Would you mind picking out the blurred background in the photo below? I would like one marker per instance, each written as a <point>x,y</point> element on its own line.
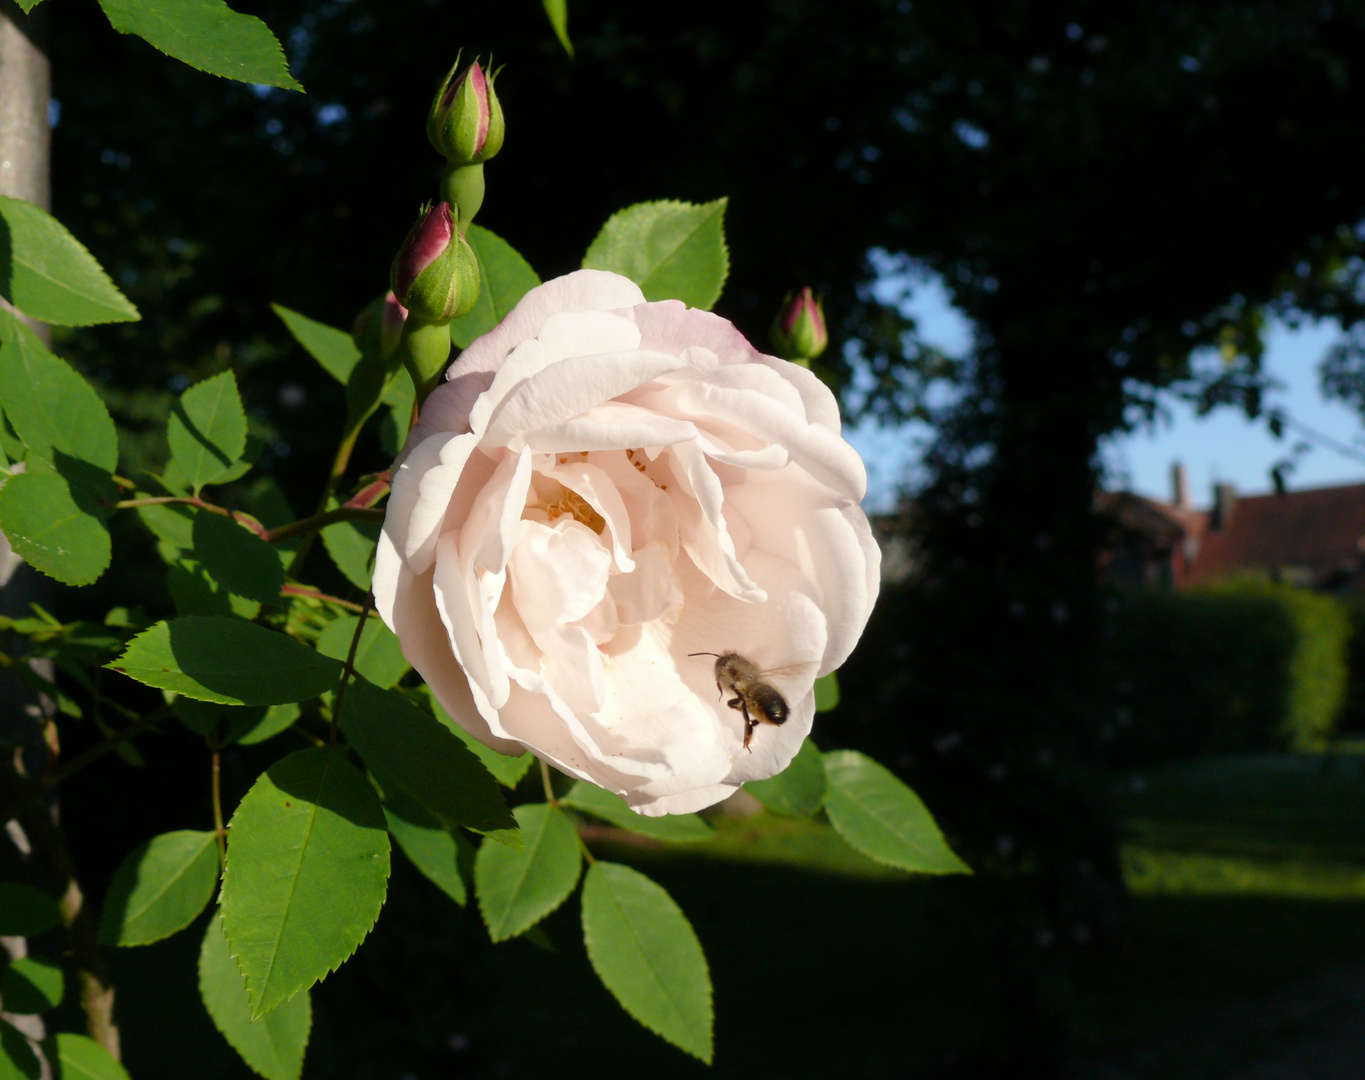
<point>1094,281</point>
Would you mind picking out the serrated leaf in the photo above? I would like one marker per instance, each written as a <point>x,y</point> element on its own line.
<point>881,817</point>
<point>53,410</point>
<point>438,853</point>
<point>645,952</point>
<point>557,11</point>
<point>307,870</point>
<point>507,769</point>
<point>28,5</point>
<point>272,1046</point>
<point>231,661</point>
<point>160,888</point>
<point>826,692</point>
<point>25,911</point>
<point>206,431</point>
<point>195,593</point>
<point>30,986</point>
<point>17,1059</point>
<point>799,789</point>
<point>679,828</point>
<point>208,36</point>
<point>504,278</point>
<point>332,348</point>
<point>237,558</point>
<point>351,546</point>
<point>49,275</point>
<point>405,745</point>
<point>379,656</point>
<point>672,250</point>
<point>518,889</point>
<point>54,529</point>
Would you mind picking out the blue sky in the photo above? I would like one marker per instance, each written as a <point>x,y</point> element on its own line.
<point>1223,446</point>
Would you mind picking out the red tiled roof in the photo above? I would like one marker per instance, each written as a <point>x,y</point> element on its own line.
<point>1320,530</point>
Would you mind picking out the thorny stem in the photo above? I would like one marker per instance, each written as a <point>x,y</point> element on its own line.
<point>349,669</point>
<point>318,522</point>
<point>549,787</point>
<point>218,831</point>
<point>81,760</point>
<point>300,590</point>
<point>304,526</point>
<point>21,801</point>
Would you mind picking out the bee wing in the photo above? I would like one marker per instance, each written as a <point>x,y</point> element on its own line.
<point>788,671</point>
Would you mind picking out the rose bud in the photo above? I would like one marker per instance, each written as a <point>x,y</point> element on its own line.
<point>465,122</point>
<point>607,508</point>
<point>379,326</point>
<point>798,333</point>
<point>435,275</point>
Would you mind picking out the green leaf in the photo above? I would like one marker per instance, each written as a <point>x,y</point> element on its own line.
<point>307,868</point>
<point>227,660</point>
<point>206,35</point>
<point>25,911</point>
<point>248,727</point>
<point>826,692</point>
<point>80,1058</point>
<point>439,853</point>
<point>195,593</point>
<point>49,275</point>
<point>237,558</point>
<point>504,278</point>
<point>172,525</point>
<point>30,985</point>
<point>54,411</point>
<point>17,1059</point>
<point>399,397</point>
<point>506,768</point>
<point>881,817</point>
<point>273,1045</point>
<point>646,953</point>
<point>799,789</point>
<point>160,888</point>
<point>379,656</point>
<point>402,743</point>
<point>332,348</point>
<point>54,529</point>
<point>519,888</point>
<point>207,432</point>
<point>591,799</point>
<point>672,250</point>
<point>558,13</point>
<point>351,546</point>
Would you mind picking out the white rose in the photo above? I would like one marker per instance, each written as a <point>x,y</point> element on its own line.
<point>602,487</point>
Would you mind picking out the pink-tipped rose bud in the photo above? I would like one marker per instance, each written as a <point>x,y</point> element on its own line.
<point>435,274</point>
<point>465,121</point>
<point>379,326</point>
<point>798,332</point>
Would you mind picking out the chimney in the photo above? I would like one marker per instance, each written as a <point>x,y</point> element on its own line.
<point>1180,487</point>
<point>1224,503</point>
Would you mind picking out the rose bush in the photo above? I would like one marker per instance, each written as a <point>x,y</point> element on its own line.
<point>601,487</point>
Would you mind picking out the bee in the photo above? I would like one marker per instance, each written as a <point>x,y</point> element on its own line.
<point>755,699</point>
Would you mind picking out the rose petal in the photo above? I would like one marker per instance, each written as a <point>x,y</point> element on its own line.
<point>563,390</point>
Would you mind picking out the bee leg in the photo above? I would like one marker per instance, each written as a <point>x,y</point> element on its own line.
<point>749,724</point>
